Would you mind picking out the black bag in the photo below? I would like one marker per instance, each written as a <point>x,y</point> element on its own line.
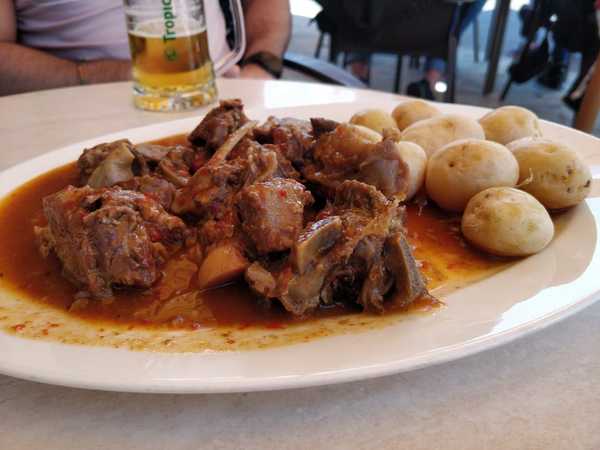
<point>531,62</point>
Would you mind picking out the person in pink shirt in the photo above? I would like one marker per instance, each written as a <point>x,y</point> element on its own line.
<point>57,43</point>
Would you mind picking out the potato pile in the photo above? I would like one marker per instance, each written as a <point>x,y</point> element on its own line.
<point>499,172</point>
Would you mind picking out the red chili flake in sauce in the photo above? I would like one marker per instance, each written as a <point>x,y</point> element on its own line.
<point>283,194</point>
<point>19,327</point>
<point>154,234</point>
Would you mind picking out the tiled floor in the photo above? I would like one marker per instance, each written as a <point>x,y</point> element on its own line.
<point>546,103</point>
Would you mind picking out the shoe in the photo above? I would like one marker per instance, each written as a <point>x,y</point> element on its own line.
<point>420,89</point>
<point>554,76</point>
<point>572,102</point>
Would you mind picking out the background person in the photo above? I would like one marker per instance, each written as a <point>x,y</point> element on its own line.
<point>58,43</point>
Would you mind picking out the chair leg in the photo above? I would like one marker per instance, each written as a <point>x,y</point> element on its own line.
<point>451,75</point>
<point>398,78</point>
<point>319,45</point>
<point>506,89</point>
<point>333,51</point>
<point>476,39</point>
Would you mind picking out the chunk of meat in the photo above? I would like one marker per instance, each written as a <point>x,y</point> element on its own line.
<point>401,263</point>
<point>152,169</point>
<point>292,137</point>
<point>115,168</point>
<point>342,148</point>
<point>346,154</point>
<point>272,213</point>
<point>151,152</point>
<point>385,169</point>
<point>108,238</point>
<point>261,280</point>
<point>315,240</point>
<point>154,187</point>
<point>376,279</point>
<point>211,191</point>
<point>92,157</point>
<point>322,126</point>
<point>344,256</point>
<point>354,195</point>
<point>176,166</point>
<point>214,129</point>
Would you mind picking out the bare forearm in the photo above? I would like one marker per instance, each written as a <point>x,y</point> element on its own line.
<point>268,25</point>
<point>23,69</point>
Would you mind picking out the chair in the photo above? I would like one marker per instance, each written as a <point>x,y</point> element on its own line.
<point>402,27</point>
<point>320,70</point>
<point>476,44</point>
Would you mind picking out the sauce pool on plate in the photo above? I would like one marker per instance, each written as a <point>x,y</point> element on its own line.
<point>175,301</point>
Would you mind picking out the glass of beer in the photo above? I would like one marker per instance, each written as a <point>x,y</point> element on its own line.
<point>171,65</point>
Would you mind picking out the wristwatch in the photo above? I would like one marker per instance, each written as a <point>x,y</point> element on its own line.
<point>268,61</point>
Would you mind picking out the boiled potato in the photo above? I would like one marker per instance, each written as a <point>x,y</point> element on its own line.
<point>552,172</point>
<point>509,123</point>
<point>375,119</point>
<point>407,113</point>
<point>507,222</point>
<point>416,160</point>
<point>464,168</point>
<point>432,134</point>
<point>222,264</point>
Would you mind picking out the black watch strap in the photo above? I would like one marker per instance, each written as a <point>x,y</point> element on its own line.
<point>268,61</point>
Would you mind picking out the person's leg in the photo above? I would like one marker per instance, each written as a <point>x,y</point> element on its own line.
<point>359,65</point>
<point>435,68</point>
<point>588,58</point>
<point>556,73</point>
<point>433,72</point>
<point>471,12</point>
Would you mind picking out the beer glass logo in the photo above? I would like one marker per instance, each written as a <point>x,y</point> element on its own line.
<point>169,35</point>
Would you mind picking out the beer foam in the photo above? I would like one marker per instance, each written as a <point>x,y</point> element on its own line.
<point>184,27</point>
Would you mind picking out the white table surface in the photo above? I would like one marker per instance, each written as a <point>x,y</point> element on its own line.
<point>540,392</point>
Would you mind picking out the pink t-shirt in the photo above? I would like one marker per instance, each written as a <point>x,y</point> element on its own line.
<point>84,30</point>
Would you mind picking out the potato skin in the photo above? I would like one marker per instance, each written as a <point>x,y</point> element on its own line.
<point>375,119</point>
<point>432,134</point>
<point>416,160</point>
<point>464,168</point>
<point>506,221</point>
<point>552,172</point>
<point>510,123</point>
<point>412,111</point>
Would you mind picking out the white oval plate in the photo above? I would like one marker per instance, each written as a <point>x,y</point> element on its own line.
<point>531,294</point>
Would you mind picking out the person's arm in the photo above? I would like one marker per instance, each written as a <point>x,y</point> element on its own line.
<point>24,69</point>
<point>268,28</point>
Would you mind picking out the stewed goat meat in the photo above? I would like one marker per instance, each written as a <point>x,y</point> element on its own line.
<point>218,124</point>
<point>108,238</point>
<point>272,213</point>
<point>309,213</point>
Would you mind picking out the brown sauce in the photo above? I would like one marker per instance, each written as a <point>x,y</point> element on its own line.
<point>175,301</point>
